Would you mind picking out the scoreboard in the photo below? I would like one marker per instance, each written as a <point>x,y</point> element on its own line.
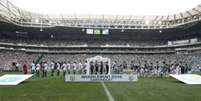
<point>97,31</point>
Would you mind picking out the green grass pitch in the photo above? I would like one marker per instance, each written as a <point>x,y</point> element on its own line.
<point>55,89</point>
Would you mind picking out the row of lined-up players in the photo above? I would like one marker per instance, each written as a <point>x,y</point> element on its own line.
<point>68,68</point>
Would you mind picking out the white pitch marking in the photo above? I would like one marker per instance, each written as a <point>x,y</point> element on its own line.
<point>109,96</point>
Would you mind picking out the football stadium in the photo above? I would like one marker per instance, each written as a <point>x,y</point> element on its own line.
<point>100,50</point>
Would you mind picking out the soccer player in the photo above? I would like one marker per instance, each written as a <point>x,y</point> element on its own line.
<point>25,68</point>
<point>186,68</point>
<point>52,65</point>
<point>182,69</point>
<point>58,68</point>
<point>114,67</point>
<point>142,70</point>
<point>145,68</point>
<point>45,69</point>
<point>91,67</point>
<point>17,67</point>
<point>84,70</point>
<point>132,66</point>
<point>178,69</point>
<point>74,67</point>
<point>80,67</point>
<point>96,67</point>
<point>151,69</point>
<point>38,70</point>
<point>107,67</point>
<point>64,68</point>
<point>68,66</point>
<point>124,64</point>
<point>33,68</point>
<point>42,68</point>
<point>189,71</point>
<point>101,67</point>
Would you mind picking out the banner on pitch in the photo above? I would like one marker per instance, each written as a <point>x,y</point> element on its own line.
<point>13,79</point>
<point>188,78</point>
<point>96,78</point>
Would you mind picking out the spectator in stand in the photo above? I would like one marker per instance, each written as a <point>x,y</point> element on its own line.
<point>154,62</point>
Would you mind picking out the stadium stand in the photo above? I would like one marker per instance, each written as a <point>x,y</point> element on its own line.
<point>173,41</point>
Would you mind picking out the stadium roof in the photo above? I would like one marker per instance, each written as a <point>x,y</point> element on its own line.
<point>107,7</point>
<point>126,14</point>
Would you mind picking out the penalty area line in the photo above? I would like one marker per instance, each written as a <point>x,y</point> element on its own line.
<point>109,96</point>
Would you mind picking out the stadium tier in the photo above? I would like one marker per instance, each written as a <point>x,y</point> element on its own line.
<point>29,34</point>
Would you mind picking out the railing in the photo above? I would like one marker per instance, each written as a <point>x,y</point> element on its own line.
<point>5,44</point>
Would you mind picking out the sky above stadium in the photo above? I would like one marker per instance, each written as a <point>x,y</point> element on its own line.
<point>107,7</point>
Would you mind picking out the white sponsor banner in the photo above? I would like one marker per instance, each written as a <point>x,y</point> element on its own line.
<point>13,79</point>
<point>188,78</point>
<point>95,78</point>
